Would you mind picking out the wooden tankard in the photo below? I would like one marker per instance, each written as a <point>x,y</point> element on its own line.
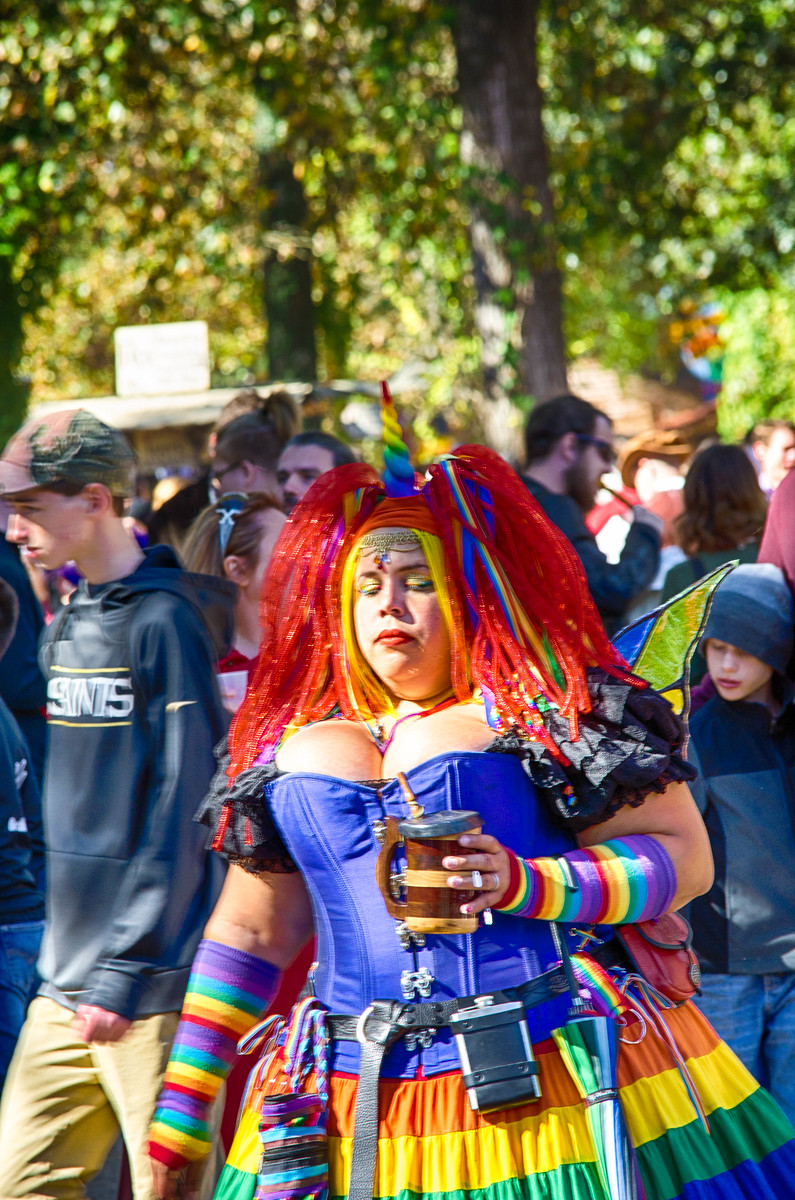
<point>430,905</point>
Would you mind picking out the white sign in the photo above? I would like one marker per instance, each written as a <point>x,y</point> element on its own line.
<point>162,360</point>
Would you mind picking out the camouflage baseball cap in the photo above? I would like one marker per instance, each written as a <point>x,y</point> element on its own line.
<point>71,446</point>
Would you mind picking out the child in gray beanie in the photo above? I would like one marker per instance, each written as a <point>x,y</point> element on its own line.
<point>743,746</point>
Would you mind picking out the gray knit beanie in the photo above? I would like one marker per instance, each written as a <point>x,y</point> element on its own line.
<point>753,610</point>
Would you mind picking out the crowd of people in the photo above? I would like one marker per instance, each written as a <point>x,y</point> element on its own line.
<point>369,643</point>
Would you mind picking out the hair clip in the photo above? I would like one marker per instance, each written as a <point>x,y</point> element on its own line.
<point>228,509</point>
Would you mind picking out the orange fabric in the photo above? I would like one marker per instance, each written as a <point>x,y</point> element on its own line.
<point>436,1105</point>
<point>405,512</point>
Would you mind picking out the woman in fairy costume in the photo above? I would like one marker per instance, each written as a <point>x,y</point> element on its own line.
<point>440,648</point>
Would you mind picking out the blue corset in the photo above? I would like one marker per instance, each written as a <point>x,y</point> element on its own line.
<point>328,827</point>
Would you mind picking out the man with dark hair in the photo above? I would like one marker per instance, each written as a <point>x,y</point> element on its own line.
<point>569,447</point>
<point>307,456</point>
<point>134,713</point>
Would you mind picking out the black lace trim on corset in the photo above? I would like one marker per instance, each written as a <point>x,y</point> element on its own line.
<point>629,746</point>
<point>239,819</point>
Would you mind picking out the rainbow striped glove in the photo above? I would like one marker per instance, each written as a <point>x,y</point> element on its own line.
<point>624,880</point>
<point>228,992</point>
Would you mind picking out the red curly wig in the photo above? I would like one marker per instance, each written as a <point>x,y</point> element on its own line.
<point>524,625</point>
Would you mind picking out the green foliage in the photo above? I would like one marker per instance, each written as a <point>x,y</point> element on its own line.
<point>126,155</point>
<point>359,98</point>
<point>760,360</point>
<point>165,224</point>
<point>671,128</point>
<point>132,139</point>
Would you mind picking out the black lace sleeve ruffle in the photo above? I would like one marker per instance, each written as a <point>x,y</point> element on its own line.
<point>630,744</point>
<point>239,821</point>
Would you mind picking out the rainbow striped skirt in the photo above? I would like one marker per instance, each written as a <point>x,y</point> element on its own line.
<point>434,1147</point>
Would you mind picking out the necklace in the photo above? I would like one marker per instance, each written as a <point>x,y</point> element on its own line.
<point>377,732</point>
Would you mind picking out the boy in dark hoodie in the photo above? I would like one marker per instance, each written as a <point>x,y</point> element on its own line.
<point>743,745</point>
<point>134,713</point>
<point>21,862</point>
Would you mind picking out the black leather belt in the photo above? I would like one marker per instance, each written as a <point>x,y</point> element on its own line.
<point>385,1022</point>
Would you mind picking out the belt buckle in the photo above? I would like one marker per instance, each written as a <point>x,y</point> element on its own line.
<point>414,1038</point>
<point>361,1024</point>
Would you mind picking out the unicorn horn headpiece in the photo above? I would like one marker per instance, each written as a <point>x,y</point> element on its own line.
<point>524,627</point>
<point>399,474</point>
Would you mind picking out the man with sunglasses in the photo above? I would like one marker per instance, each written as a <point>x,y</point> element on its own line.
<point>569,446</point>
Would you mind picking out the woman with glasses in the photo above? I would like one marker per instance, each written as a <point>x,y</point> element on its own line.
<point>234,539</point>
<point>276,419</point>
<point>247,450</point>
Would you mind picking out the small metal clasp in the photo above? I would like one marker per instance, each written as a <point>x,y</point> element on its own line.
<point>397,881</point>
<point>408,937</point>
<point>423,1039</point>
<point>416,981</point>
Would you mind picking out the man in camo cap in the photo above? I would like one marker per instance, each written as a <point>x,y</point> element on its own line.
<point>133,712</point>
<point>67,450</point>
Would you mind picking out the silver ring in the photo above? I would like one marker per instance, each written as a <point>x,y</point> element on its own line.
<point>496,881</point>
<point>361,1035</point>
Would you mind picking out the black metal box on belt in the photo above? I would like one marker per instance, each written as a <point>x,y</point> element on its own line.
<point>496,1054</point>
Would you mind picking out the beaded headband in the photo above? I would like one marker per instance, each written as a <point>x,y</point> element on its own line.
<point>384,542</point>
<point>390,539</point>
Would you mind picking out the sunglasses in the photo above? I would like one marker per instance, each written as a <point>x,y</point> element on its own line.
<point>217,479</point>
<point>603,448</point>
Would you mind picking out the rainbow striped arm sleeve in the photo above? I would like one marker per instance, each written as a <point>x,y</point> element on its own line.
<point>626,879</point>
<point>228,992</point>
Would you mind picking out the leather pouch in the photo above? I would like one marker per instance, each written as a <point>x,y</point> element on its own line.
<point>661,951</point>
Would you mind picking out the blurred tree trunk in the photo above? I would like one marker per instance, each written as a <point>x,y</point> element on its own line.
<point>289,310</point>
<point>519,299</point>
<point>13,394</point>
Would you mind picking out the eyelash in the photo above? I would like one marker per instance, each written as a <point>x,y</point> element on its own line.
<point>414,583</point>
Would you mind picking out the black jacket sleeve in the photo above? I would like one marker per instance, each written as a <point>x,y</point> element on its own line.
<point>613,586</point>
<point>22,684</point>
<point>170,874</point>
<point>21,828</point>
<point>30,798</point>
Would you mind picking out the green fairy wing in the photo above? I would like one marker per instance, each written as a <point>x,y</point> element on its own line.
<point>660,645</point>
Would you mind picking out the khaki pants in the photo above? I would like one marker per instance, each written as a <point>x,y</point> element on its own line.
<point>65,1102</point>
